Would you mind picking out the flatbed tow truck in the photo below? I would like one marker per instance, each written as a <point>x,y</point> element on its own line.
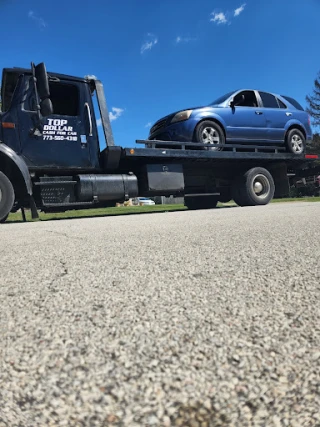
<point>50,156</point>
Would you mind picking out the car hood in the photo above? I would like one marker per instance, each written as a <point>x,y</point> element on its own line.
<point>169,116</point>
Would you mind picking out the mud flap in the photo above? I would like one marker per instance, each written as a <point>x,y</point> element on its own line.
<point>279,173</point>
<point>33,207</point>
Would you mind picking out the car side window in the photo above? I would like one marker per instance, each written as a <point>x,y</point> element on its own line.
<point>282,104</point>
<point>246,98</point>
<point>268,100</point>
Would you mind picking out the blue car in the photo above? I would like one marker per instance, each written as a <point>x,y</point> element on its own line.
<point>240,117</point>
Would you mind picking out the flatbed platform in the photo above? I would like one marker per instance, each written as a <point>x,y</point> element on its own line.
<point>154,152</point>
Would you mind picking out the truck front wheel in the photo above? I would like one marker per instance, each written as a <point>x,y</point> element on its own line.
<point>6,197</point>
<point>255,187</point>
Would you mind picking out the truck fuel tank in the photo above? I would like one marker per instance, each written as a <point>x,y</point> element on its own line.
<point>102,188</point>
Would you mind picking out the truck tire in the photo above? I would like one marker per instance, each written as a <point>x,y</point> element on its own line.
<point>236,196</point>
<point>200,202</point>
<point>225,196</point>
<point>6,197</point>
<point>254,188</point>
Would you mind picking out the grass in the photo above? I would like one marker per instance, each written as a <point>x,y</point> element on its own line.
<point>296,199</point>
<point>89,213</point>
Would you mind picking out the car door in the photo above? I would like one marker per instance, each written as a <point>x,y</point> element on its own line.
<point>65,139</point>
<point>277,115</point>
<point>246,121</point>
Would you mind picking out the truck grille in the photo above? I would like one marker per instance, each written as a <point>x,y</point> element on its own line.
<point>160,124</point>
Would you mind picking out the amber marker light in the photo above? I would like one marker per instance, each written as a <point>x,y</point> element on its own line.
<point>7,125</point>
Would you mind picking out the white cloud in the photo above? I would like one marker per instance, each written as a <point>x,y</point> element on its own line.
<point>184,39</point>
<point>40,21</point>
<point>239,9</point>
<point>219,18</point>
<point>148,125</point>
<point>149,44</point>
<point>115,113</point>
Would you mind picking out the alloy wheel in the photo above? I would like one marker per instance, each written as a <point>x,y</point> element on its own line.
<point>297,144</point>
<point>210,136</point>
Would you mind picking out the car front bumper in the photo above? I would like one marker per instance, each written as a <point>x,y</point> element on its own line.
<point>181,131</point>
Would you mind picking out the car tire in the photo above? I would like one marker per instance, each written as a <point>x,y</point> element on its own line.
<point>200,202</point>
<point>295,142</point>
<point>209,132</point>
<point>254,188</point>
<point>6,197</point>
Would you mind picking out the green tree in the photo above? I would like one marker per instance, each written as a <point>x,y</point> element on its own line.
<point>316,143</point>
<point>313,102</point>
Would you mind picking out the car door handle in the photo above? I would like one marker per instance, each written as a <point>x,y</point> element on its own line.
<point>288,114</point>
<point>259,113</point>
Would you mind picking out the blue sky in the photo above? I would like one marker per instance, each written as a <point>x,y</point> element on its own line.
<point>158,57</point>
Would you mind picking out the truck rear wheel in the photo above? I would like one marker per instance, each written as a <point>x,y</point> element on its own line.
<point>225,195</point>
<point>256,187</point>
<point>200,202</point>
<point>6,197</point>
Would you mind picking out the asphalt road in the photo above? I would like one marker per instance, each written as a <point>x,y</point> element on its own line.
<point>207,318</point>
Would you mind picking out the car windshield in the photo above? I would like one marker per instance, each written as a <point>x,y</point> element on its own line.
<point>222,98</point>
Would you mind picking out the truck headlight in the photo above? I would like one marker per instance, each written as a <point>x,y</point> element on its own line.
<point>181,116</point>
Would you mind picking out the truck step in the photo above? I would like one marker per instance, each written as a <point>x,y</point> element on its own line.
<point>52,183</point>
<point>55,205</point>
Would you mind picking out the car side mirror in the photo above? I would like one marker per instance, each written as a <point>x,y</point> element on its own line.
<point>231,103</point>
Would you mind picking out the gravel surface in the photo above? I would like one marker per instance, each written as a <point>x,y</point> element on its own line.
<point>199,319</point>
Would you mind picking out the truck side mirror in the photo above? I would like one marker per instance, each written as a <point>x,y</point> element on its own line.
<point>42,83</point>
<point>46,108</point>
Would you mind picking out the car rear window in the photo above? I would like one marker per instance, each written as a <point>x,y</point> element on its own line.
<point>269,101</point>
<point>293,102</point>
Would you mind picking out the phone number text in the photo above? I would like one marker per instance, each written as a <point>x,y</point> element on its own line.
<point>59,138</point>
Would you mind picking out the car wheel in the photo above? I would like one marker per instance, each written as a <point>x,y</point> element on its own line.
<point>256,187</point>
<point>208,132</point>
<point>6,197</point>
<point>295,142</point>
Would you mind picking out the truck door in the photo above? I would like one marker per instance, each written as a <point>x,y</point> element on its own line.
<point>67,135</point>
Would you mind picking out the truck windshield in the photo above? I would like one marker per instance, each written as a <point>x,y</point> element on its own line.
<point>222,98</point>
